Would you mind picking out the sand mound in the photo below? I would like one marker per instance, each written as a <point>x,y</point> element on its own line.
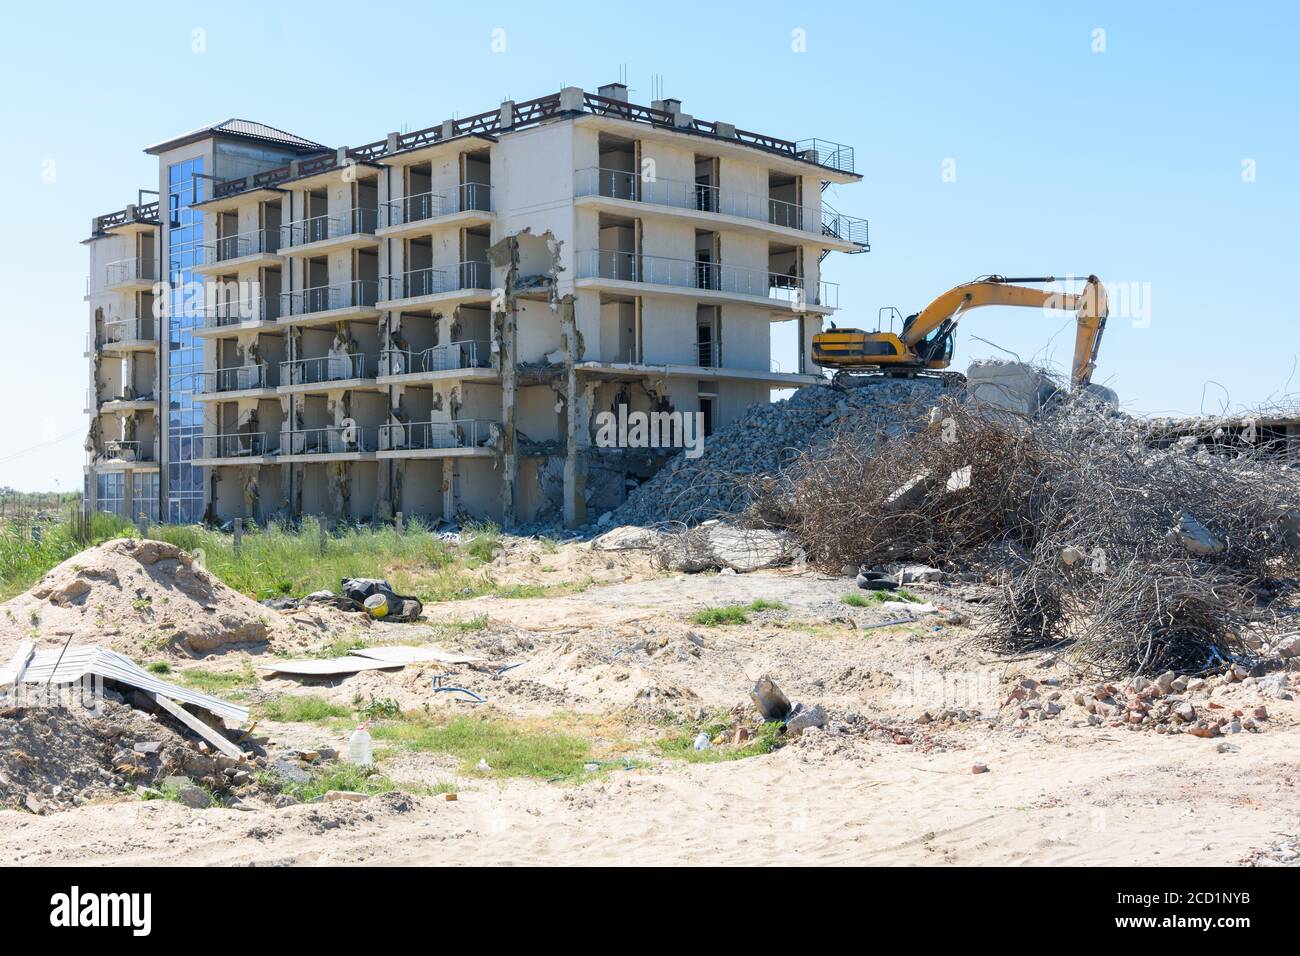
<point>135,595</point>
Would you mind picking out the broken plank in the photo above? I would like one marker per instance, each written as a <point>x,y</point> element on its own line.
<point>210,734</point>
<point>16,669</point>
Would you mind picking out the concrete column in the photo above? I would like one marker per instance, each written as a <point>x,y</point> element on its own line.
<point>576,423</point>
<point>449,488</point>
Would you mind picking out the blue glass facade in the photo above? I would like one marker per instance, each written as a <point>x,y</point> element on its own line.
<point>185,186</point>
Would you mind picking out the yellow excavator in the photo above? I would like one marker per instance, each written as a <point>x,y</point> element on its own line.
<point>924,345</point>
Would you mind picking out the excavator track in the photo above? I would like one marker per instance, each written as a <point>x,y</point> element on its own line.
<point>859,379</point>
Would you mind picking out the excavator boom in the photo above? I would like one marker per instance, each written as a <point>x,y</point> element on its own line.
<point>925,341</point>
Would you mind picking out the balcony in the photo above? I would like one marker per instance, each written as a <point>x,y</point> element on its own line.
<point>121,452</point>
<point>457,438</point>
<point>468,205</point>
<point>257,248</point>
<point>707,203</point>
<point>319,233</point>
<point>128,335</point>
<point>235,314</point>
<point>615,269</point>
<point>243,378</point>
<point>234,447</point>
<point>130,275</point>
<point>465,282</point>
<point>340,442</point>
<point>330,303</point>
<point>454,356</point>
<point>325,369</point>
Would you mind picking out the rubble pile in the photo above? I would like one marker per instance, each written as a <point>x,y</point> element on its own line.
<point>58,757</point>
<point>1140,552</point>
<point>1167,704</point>
<point>766,438</point>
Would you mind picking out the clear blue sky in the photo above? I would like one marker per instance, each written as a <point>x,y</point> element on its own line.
<point>1127,163</point>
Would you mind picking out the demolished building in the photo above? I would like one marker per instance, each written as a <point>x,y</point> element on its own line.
<point>431,323</point>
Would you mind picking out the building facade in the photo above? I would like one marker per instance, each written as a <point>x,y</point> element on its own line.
<point>434,323</point>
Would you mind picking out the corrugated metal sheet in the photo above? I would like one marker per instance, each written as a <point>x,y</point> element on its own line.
<point>328,666</point>
<point>404,654</point>
<point>78,662</point>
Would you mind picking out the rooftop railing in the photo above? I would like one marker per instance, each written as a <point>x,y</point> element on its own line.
<point>713,276</point>
<point>820,152</point>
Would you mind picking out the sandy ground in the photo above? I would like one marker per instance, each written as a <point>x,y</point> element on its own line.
<point>880,786</point>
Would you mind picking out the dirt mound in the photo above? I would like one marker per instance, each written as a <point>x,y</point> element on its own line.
<point>136,595</point>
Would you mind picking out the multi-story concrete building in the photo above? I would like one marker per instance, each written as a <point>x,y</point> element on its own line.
<point>431,323</point>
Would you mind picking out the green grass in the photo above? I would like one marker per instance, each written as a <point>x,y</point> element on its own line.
<point>214,682</point>
<point>682,746</point>
<point>158,667</point>
<point>511,750</point>
<point>733,613</point>
<point>478,622</point>
<point>23,562</point>
<point>293,708</point>
<point>480,542</point>
<point>872,598</point>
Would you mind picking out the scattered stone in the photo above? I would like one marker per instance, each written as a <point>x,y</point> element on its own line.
<point>979,768</point>
<point>803,719</point>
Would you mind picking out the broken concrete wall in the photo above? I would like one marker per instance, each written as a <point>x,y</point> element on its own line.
<point>1013,386</point>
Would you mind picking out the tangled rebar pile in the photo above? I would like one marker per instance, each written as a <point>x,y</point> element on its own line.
<point>1140,548</point>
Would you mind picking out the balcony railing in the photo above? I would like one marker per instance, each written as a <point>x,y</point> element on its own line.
<point>460,433</point>
<point>848,228</point>
<point>707,354</point>
<point>237,378</point>
<point>620,184</point>
<point>239,311</point>
<point>319,228</point>
<point>693,274</point>
<point>418,208</point>
<point>235,445</point>
<point>325,368</point>
<point>439,358</point>
<point>118,450</point>
<point>331,440</point>
<point>418,282</point>
<point>245,244</point>
<point>131,270</point>
<point>360,293</point>
<point>127,330</point>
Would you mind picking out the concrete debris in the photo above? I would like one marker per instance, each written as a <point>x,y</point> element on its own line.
<point>1011,386</point>
<point>766,437</point>
<point>627,538</point>
<point>771,702</point>
<point>801,719</point>
<point>1195,537</point>
<point>715,545</point>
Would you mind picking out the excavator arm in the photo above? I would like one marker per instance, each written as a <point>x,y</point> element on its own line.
<point>925,341</point>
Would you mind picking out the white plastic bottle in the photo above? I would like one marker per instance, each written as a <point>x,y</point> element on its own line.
<point>359,747</point>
